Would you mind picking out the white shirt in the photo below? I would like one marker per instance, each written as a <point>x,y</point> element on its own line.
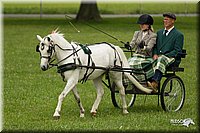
<point>168,31</point>
<point>144,33</point>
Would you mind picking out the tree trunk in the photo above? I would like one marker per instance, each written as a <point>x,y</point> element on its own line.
<point>88,11</point>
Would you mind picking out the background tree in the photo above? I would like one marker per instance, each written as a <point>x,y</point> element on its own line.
<point>88,11</point>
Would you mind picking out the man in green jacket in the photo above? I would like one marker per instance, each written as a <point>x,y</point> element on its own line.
<point>169,43</point>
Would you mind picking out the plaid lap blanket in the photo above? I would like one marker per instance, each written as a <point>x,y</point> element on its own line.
<point>146,66</point>
<point>163,62</point>
<point>143,65</point>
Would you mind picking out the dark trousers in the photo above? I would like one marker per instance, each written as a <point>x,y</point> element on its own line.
<point>157,76</point>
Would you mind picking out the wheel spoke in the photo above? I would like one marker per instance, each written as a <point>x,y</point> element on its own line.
<point>173,94</point>
<point>169,103</point>
<point>116,98</point>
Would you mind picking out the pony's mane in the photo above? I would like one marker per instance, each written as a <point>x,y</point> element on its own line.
<point>58,37</point>
<point>57,32</point>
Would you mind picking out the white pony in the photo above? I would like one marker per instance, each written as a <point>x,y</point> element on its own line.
<point>71,56</point>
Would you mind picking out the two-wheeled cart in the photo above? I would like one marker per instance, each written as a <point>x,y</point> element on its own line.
<point>171,93</point>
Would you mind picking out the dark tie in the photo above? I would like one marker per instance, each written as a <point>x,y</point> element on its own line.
<point>165,33</point>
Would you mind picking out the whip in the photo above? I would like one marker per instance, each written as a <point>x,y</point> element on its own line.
<point>74,27</point>
<point>68,17</point>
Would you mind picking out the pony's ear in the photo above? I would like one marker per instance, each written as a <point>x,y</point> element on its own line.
<point>39,38</point>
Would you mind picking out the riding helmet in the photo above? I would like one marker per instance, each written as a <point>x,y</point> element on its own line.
<point>145,19</point>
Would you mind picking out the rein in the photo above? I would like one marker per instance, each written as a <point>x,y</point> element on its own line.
<point>56,64</point>
<point>72,66</point>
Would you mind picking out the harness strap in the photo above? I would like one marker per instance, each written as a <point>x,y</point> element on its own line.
<point>67,57</point>
<point>93,68</point>
<point>86,75</point>
<point>88,52</point>
<point>116,53</point>
<point>66,67</point>
<point>79,61</point>
<point>86,49</point>
<point>72,66</point>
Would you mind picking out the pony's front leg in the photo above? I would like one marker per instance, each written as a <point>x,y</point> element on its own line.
<point>100,93</point>
<point>77,97</point>
<point>69,86</point>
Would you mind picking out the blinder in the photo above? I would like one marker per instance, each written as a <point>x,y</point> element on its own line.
<point>49,51</point>
<point>37,48</point>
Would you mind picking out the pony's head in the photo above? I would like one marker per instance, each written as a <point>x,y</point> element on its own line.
<point>46,50</point>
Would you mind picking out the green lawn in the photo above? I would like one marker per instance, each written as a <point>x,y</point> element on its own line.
<point>30,95</point>
<point>105,8</point>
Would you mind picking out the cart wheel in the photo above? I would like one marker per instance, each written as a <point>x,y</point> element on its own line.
<point>116,99</point>
<point>172,94</point>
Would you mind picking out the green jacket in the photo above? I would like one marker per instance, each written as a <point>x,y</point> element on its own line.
<point>169,45</point>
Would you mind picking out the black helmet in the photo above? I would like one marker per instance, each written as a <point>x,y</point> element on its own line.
<point>145,19</point>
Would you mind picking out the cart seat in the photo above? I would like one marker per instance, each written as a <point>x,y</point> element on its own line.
<point>174,67</point>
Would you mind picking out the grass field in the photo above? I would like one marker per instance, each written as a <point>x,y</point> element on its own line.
<point>104,8</point>
<point>30,95</point>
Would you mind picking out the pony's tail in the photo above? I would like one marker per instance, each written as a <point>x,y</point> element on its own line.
<point>122,56</point>
<point>137,84</point>
<point>131,78</point>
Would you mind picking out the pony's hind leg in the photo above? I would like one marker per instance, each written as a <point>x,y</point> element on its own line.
<point>100,92</point>
<point>77,97</point>
<point>122,94</point>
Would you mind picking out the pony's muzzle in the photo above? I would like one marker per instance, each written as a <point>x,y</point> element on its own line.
<point>44,67</point>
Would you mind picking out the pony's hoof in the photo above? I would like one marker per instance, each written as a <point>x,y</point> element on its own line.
<point>82,115</point>
<point>93,114</point>
<point>56,117</point>
<point>125,112</point>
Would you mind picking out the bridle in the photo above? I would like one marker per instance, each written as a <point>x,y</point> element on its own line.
<point>51,50</point>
